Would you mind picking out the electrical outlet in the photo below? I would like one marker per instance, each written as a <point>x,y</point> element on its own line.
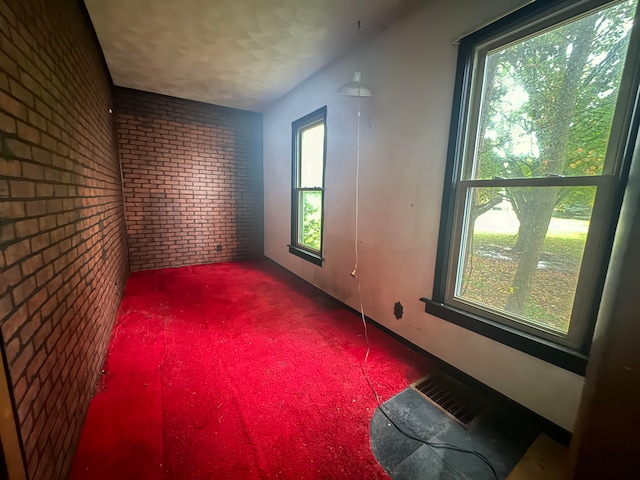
<point>398,310</point>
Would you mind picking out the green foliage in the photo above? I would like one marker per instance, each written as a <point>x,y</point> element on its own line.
<point>311,219</point>
<point>557,92</point>
<point>548,103</point>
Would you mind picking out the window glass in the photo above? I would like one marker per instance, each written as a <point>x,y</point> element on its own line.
<point>312,156</point>
<point>539,149</point>
<point>307,196</point>
<point>547,102</point>
<point>498,272</point>
<point>310,209</point>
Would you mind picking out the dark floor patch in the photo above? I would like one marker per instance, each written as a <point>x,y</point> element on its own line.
<point>327,301</point>
<point>499,434</point>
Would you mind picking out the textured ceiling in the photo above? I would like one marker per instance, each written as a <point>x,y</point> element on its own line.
<point>237,53</point>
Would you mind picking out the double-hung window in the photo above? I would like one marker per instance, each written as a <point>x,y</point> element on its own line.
<point>543,127</point>
<point>309,141</point>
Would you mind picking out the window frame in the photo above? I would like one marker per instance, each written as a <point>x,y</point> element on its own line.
<point>571,355</point>
<point>314,118</point>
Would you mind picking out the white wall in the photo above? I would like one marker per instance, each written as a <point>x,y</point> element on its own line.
<point>411,69</point>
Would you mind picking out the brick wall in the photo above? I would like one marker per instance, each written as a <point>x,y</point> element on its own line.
<point>63,258</point>
<point>192,176</point>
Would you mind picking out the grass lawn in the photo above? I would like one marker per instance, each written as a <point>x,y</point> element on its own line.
<point>490,271</point>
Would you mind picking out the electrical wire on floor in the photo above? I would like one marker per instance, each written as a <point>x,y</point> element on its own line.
<point>354,274</point>
<point>437,445</point>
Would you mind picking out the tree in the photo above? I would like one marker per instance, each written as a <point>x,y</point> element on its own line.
<point>555,92</point>
<point>311,219</point>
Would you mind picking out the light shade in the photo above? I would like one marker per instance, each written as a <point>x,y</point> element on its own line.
<point>355,88</point>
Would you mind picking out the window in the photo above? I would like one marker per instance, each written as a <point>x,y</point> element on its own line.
<point>542,133</point>
<point>307,196</point>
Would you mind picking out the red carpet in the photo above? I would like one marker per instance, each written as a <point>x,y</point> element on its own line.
<point>237,371</point>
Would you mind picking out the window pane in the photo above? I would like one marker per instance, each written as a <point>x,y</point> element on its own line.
<point>519,257</point>
<point>310,219</point>
<point>311,156</point>
<point>548,101</point>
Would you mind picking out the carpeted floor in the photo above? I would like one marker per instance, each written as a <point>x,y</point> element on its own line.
<point>237,371</point>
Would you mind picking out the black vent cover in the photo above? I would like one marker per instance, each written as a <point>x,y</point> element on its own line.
<point>456,400</point>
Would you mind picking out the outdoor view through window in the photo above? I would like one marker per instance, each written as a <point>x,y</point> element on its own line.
<point>539,148</point>
<point>310,186</point>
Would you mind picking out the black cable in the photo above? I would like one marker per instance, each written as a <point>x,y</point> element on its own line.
<point>446,446</point>
<point>354,274</point>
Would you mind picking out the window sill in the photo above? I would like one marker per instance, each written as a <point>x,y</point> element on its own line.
<point>550,352</point>
<point>307,255</point>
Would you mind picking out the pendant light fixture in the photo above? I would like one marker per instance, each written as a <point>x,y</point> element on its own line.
<point>355,88</point>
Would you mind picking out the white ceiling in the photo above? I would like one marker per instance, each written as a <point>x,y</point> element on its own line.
<point>237,53</point>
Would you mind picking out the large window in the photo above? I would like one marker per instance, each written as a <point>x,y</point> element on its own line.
<point>541,136</point>
<point>307,199</point>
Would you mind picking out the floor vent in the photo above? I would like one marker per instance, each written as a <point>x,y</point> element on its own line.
<point>456,400</point>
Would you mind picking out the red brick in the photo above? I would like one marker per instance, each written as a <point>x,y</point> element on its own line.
<point>10,168</point>
<point>31,264</point>
<point>12,209</point>
<point>27,132</point>
<point>53,92</point>
<point>26,228</point>
<point>39,242</point>
<point>20,388</point>
<point>44,190</point>
<point>12,106</point>
<point>8,64</point>
<point>29,170</point>
<point>27,331</point>
<point>10,277</point>
<point>17,251</point>
<point>50,254</point>
<point>44,275</point>
<point>40,339</point>
<point>21,93</point>
<point>47,223</point>
<point>35,364</point>
<point>35,208</point>
<point>7,124</point>
<point>23,290</point>
<point>17,148</point>
<point>24,406</point>
<point>41,156</point>
<point>36,119</point>
<point>22,189</point>
<point>164,177</point>
<point>6,305</point>
<point>4,189</point>
<point>12,348</point>
<point>20,364</point>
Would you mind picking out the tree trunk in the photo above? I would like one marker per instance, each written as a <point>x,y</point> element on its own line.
<point>534,232</point>
<point>525,232</point>
<point>553,139</point>
<point>522,207</point>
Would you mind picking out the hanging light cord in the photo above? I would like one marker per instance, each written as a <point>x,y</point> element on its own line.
<point>365,373</point>
<point>354,274</point>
